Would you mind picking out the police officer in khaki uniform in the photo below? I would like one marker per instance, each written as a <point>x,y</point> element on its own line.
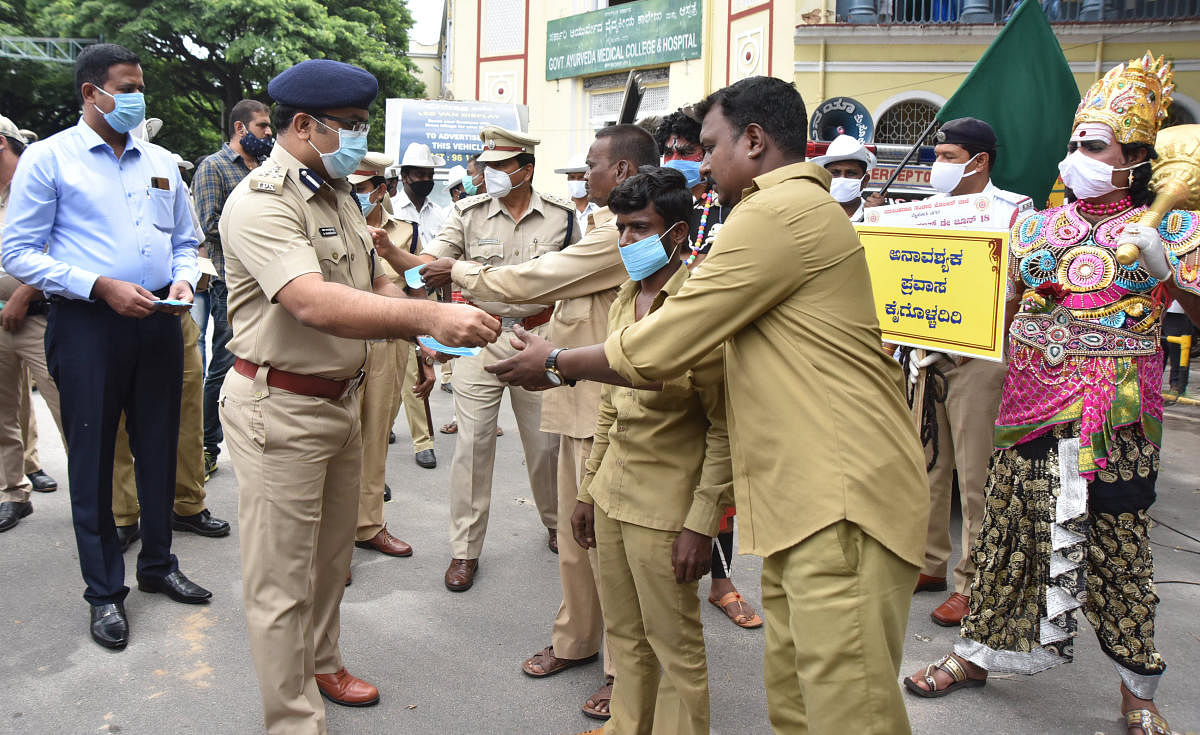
<point>511,224</point>
<point>305,295</point>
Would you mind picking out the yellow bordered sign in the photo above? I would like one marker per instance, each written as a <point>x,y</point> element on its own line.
<point>940,290</point>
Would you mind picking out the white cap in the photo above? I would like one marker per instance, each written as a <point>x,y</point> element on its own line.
<point>185,165</point>
<point>576,164</point>
<point>419,155</point>
<point>391,172</point>
<point>846,148</point>
<point>455,176</point>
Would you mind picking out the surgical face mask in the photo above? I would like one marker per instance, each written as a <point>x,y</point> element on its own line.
<point>645,257</point>
<point>421,189</point>
<point>577,189</point>
<point>352,147</point>
<point>468,185</point>
<point>256,147</point>
<point>129,110</point>
<point>845,189</point>
<point>944,176</point>
<point>365,203</point>
<point>499,184</point>
<point>1089,178</point>
<point>689,169</point>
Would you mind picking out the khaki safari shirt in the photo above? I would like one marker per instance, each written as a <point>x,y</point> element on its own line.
<point>661,458</point>
<point>583,279</point>
<point>481,229</point>
<point>280,222</point>
<point>818,423</point>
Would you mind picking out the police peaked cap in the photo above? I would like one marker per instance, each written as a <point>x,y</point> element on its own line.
<point>324,84</point>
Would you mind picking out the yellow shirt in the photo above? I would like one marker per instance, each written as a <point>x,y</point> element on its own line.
<point>818,424</point>
<point>661,458</point>
<point>583,279</point>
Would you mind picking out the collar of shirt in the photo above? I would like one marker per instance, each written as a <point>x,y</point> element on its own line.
<point>402,202</point>
<point>93,140</point>
<point>535,205</point>
<point>630,288</point>
<point>990,189</point>
<point>228,151</point>
<point>295,167</point>
<point>601,216</point>
<point>802,170</point>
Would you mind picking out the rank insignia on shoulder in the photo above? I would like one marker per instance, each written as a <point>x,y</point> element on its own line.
<point>557,201</point>
<point>328,231</point>
<point>466,203</point>
<point>310,178</point>
<point>268,178</point>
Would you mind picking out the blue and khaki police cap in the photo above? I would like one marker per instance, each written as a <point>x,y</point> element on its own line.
<point>967,131</point>
<point>324,84</point>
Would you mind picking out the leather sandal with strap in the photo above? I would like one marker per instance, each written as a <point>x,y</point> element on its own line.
<point>738,610</point>
<point>602,698</point>
<point>1150,723</point>
<point>951,666</point>
<point>551,664</point>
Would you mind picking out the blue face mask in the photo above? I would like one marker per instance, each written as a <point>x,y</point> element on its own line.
<point>128,113</point>
<point>352,148</point>
<point>689,169</point>
<point>645,257</point>
<point>365,203</point>
<point>468,185</point>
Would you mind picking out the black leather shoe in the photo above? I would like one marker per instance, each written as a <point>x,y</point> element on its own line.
<point>127,535</point>
<point>426,458</point>
<point>11,513</point>
<point>110,627</point>
<point>176,586</point>
<point>42,482</point>
<point>391,437</point>
<point>387,493</point>
<point>447,388</point>
<point>202,524</point>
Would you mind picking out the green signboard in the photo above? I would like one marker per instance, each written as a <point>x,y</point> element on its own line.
<point>624,36</point>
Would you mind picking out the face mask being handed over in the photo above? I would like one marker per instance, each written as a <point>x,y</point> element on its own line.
<point>944,176</point>
<point>128,112</point>
<point>577,189</point>
<point>352,147</point>
<point>845,189</point>
<point>499,184</point>
<point>644,257</point>
<point>1089,178</point>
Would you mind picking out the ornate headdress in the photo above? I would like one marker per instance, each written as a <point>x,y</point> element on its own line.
<point>1132,99</point>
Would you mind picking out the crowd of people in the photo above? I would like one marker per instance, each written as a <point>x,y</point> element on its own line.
<point>335,286</point>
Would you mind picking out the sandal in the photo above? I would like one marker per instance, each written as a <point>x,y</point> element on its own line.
<point>738,610</point>
<point>450,428</point>
<point>957,673</point>
<point>551,664</point>
<point>1150,723</point>
<point>597,705</point>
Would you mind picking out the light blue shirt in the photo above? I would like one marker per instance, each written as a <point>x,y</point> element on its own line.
<point>76,213</point>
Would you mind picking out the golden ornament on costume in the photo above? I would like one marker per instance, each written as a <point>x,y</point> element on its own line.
<point>1132,99</point>
<point>1175,180</point>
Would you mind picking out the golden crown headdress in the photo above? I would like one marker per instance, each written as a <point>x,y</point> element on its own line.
<point>1132,99</point>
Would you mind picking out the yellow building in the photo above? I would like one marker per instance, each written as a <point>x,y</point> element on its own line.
<point>568,60</point>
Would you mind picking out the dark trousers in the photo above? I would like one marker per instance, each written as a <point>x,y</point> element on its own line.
<point>218,364</point>
<point>1176,325</point>
<point>105,365</point>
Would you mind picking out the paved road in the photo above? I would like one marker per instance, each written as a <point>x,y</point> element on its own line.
<point>448,663</point>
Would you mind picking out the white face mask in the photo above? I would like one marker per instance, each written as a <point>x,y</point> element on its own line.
<point>499,184</point>
<point>577,189</point>
<point>1087,177</point>
<point>944,176</point>
<point>845,189</point>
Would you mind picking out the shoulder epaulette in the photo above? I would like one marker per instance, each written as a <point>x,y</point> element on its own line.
<point>557,201</point>
<point>470,202</point>
<point>268,177</point>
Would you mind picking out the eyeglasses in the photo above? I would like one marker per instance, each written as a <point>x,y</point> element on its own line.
<point>356,126</point>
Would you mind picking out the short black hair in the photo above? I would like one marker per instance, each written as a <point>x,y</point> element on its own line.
<point>525,159</point>
<point>281,118</point>
<point>243,112</point>
<point>974,150</point>
<point>630,143</point>
<point>772,103</point>
<point>93,62</point>
<point>665,188</point>
<point>679,125</point>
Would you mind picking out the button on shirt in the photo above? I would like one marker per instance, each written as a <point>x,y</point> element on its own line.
<point>429,218</point>
<point>76,213</point>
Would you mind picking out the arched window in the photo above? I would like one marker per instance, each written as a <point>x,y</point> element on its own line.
<point>904,122</point>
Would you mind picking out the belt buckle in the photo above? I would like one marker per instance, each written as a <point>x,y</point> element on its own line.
<point>352,384</point>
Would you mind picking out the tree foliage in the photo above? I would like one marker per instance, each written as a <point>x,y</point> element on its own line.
<point>201,56</point>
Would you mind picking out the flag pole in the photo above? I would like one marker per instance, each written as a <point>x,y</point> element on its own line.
<point>908,156</point>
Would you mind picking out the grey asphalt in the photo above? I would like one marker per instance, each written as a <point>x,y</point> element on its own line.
<point>450,663</point>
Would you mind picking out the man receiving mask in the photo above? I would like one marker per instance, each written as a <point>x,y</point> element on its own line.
<point>413,203</point>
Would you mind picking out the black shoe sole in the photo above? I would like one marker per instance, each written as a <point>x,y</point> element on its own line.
<point>24,514</point>
<point>151,589</point>
<point>367,545</point>
<point>177,526</point>
<point>47,489</point>
<point>110,645</point>
<point>934,587</point>
<point>427,466</point>
<point>372,703</point>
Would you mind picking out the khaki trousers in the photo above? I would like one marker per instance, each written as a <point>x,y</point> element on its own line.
<point>189,459</point>
<point>477,395</point>
<point>298,462</point>
<point>965,440</point>
<point>836,609</point>
<point>655,633</point>
<point>579,626</point>
<point>22,355</point>
<point>414,408</point>
<point>380,404</point>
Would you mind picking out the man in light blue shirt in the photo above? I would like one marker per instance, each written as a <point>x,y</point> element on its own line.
<point>99,221</point>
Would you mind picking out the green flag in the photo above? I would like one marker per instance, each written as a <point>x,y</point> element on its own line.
<point>1022,87</point>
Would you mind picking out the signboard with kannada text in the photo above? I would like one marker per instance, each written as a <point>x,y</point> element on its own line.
<point>623,37</point>
<point>939,289</point>
<point>973,211</point>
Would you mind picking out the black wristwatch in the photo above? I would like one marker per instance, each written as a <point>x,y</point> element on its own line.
<point>553,375</point>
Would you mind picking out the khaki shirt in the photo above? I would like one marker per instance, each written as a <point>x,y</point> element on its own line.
<point>583,279</point>
<point>481,229</point>
<point>661,458</point>
<point>400,232</point>
<point>280,222</point>
<point>818,423</point>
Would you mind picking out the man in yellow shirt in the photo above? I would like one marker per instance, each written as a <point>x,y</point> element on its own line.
<point>828,472</point>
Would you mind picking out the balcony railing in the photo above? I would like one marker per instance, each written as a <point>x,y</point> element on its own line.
<point>995,11</point>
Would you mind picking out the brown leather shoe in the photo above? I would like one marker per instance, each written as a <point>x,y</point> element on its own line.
<point>552,542</point>
<point>346,690</point>
<point>925,583</point>
<point>385,543</point>
<point>951,612</point>
<point>461,574</point>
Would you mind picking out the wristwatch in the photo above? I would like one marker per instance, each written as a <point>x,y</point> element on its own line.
<point>554,376</point>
